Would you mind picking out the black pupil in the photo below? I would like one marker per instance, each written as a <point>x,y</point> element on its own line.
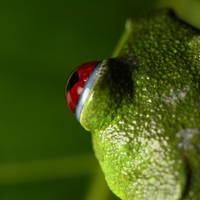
<point>73,80</point>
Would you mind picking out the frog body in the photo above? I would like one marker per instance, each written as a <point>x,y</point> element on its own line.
<point>144,111</point>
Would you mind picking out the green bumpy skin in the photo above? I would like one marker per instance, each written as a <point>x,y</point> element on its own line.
<point>144,111</point>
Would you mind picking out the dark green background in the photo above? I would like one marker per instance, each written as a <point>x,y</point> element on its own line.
<point>44,152</point>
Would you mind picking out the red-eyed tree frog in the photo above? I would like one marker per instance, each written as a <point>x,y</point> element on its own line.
<point>143,109</point>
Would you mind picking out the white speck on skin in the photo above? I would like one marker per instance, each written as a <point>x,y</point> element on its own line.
<point>124,172</point>
<point>186,135</point>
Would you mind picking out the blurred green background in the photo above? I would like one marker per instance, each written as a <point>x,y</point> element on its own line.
<point>44,152</point>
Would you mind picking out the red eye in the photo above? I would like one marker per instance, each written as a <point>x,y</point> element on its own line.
<point>76,83</point>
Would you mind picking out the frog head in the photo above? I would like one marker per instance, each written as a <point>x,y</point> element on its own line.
<point>129,140</point>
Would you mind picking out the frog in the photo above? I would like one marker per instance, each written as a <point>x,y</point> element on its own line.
<point>142,107</point>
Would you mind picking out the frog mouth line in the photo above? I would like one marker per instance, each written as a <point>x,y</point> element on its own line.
<point>188,181</point>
